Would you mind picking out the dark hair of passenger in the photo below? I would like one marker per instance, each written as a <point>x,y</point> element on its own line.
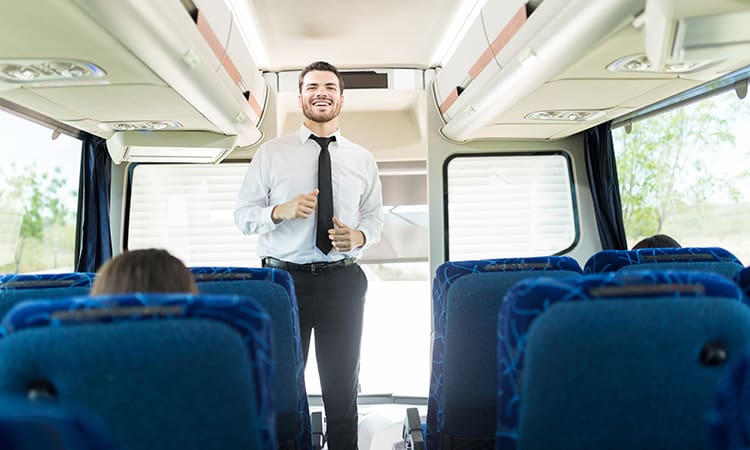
<point>322,66</point>
<point>146,270</point>
<point>657,241</point>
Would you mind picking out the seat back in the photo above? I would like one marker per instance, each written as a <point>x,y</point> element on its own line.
<point>466,298</point>
<point>743,280</point>
<point>627,373</point>
<point>169,371</point>
<point>707,259</point>
<point>273,289</point>
<point>728,415</point>
<point>15,288</point>
<point>526,301</point>
<point>26,425</point>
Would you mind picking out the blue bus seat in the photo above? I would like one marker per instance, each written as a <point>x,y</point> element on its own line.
<point>728,415</point>
<point>168,371</point>
<point>627,373</point>
<point>707,259</point>
<point>273,289</point>
<point>743,280</point>
<point>526,301</point>
<point>26,425</point>
<point>15,288</point>
<point>466,298</point>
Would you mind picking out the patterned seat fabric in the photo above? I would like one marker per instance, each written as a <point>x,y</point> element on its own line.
<point>273,289</point>
<point>707,259</point>
<point>743,280</point>
<point>728,415</point>
<point>15,288</point>
<point>139,323</point>
<point>466,298</point>
<point>529,299</point>
<point>28,425</point>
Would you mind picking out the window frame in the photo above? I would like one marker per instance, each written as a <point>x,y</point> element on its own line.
<point>573,192</point>
<point>56,129</point>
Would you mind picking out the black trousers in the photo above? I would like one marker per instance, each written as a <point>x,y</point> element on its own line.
<point>332,304</point>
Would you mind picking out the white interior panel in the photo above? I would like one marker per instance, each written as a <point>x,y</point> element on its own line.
<point>352,34</point>
<point>660,92</point>
<point>580,94</point>
<point>456,71</point>
<point>31,100</point>
<point>252,79</point>
<point>518,130</point>
<point>496,14</point>
<point>123,102</point>
<point>218,16</point>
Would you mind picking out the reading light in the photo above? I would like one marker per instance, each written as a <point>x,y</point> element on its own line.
<point>141,125</point>
<point>579,115</point>
<point>641,63</point>
<point>632,63</point>
<point>686,67</point>
<point>42,70</point>
<point>169,146</point>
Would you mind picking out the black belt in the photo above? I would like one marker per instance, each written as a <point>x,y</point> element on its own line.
<point>314,268</point>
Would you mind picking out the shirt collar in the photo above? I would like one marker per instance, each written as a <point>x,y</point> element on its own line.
<point>304,134</point>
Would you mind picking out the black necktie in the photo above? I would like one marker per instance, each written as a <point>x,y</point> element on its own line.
<point>325,194</point>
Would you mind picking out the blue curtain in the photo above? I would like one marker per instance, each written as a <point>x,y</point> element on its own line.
<point>95,246</point>
<point>605,190</point>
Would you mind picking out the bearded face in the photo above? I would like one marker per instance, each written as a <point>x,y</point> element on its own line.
<point>321,97</point>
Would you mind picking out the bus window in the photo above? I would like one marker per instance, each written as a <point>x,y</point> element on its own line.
<point>188,209</point>
<point>683,173</point>
<point>509,205</point>
<point>38,197</point>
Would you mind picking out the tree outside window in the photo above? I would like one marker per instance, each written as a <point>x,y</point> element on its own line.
<point>684,173</point>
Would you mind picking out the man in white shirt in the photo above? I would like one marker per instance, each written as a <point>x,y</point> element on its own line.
<point>280,199</point>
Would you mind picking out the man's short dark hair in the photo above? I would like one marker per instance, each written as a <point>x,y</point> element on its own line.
<point>322,66</point>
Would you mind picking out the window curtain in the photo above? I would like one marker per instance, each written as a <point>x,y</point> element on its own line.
<point>95,244</point>
<point>605,190</point>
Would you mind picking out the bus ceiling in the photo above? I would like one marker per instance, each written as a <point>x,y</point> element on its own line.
<point>497,68</point>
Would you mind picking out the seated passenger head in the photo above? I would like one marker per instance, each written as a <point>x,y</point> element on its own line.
<point>657,241</point>
<point>147,270</point>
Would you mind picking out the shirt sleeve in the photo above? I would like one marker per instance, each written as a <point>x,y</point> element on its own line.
<point>252,212</point>
<point>371,208</point>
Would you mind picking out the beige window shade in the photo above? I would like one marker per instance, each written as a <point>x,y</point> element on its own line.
<point>509,206</point>
<point>189,210</point>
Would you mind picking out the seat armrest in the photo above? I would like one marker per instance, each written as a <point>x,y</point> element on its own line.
<point>412,430</point>
<point>318,436</point>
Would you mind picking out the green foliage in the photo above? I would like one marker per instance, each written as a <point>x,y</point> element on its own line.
<point>39,197</point>
<point>667,163</point>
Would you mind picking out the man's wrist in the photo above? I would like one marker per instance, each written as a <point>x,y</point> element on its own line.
<point>274,218</point>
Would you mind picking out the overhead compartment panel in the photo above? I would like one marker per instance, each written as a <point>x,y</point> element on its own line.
<point>454,77</point>
<point>165,61</point>
<point>557,34</point>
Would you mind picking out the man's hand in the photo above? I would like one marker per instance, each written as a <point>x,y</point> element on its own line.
<point>300,206</point>
<point>345,238</point>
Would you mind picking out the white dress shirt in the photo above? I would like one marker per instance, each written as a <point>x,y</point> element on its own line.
<point>286,167</point>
